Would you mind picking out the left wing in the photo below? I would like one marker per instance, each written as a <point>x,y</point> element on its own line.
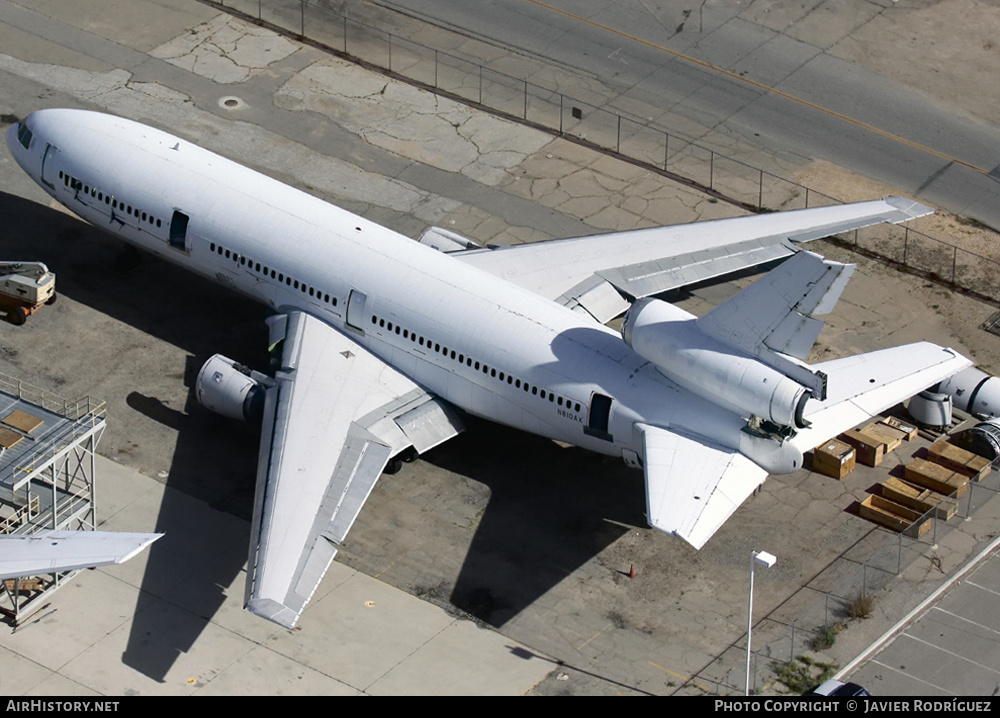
<point>591,273</point>
<point>54,551</point>
<point>693,485</point>
<point>334,418</point>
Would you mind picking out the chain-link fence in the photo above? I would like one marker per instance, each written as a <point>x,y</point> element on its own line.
<point>846,591</point>
<point>610,131</point>
<point>843,588</point>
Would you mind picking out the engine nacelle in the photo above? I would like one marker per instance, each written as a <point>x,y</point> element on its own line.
<point>974,391</point>
<point>669,337</point>
<point>227,388</point>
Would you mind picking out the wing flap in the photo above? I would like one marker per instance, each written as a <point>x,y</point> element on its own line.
<point>693,485</point>
<point>333,419</point>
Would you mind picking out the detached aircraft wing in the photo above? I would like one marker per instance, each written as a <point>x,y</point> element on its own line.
<point>334,418</point>
<point>54,551</point>
<point>592,273</point>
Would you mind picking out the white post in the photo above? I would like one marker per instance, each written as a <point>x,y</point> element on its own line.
<point>764,559</point>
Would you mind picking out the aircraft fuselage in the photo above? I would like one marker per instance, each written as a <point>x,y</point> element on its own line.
<point>493,349</point>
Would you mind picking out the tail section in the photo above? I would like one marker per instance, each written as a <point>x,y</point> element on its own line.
<point>772,318</point>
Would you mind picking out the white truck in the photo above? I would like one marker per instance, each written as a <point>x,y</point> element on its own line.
<point>25,287</point>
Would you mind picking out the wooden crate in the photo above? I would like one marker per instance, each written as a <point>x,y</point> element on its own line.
<point>936,477</point>
<point>834,458</point>
<point>870,448</point>
<point>892,515</point>
<point>958,459</point>
<point>909,430</point>
<point>919,498</point>
<point>893,437</point>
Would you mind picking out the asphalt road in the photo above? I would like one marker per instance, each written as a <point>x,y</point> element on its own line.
<point>728,70</point>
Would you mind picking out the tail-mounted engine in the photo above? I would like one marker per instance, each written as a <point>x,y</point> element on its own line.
<point>231,389</point>
<point>669,338</point>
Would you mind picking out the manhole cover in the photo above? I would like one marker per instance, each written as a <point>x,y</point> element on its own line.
<point>231,103</point>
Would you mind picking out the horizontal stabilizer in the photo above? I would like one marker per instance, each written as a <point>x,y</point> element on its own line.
<point>55,551</point>
<point>693,485</point>
<point>864,385</point>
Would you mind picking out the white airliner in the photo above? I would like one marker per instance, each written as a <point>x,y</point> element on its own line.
<point>387,341</point>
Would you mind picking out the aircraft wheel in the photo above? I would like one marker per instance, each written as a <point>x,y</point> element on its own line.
<point>393,466</point>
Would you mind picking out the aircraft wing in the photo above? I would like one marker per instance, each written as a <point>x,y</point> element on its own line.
<point>592,273</point>
<point>693,485</point>
<point>54,551</point>
<point>333,419</point>
<point>861,386</point>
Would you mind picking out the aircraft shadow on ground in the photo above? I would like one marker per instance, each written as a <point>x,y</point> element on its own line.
<point>551,510</point>
<point>214,460</point>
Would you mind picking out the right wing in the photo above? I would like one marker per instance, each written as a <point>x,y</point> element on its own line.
<point>51,551</point>
<point>334,418</point>
<point>592,273</point>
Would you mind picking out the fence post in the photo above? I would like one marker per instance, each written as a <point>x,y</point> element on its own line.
<point>760,191</point>
<point>525,100</point>
<point>906,242</point>
<point>954,261</point>
<point>302,19</point>
<point>618,146</point>
<point>666,149</point>
<point>711,169</point>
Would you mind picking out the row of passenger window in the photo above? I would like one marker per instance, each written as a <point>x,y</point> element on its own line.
<point>477,366</point>
<point>75,184</point>
<point>266,271</point>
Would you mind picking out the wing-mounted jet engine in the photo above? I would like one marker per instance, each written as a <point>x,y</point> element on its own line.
<point>231,389</point>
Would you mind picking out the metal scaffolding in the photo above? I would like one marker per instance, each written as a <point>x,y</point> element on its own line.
<point>48,448</point>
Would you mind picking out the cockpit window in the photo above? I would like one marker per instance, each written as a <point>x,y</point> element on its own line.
<point>23,134</point>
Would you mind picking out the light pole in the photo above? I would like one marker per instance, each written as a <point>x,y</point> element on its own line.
<point>764,559</point>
